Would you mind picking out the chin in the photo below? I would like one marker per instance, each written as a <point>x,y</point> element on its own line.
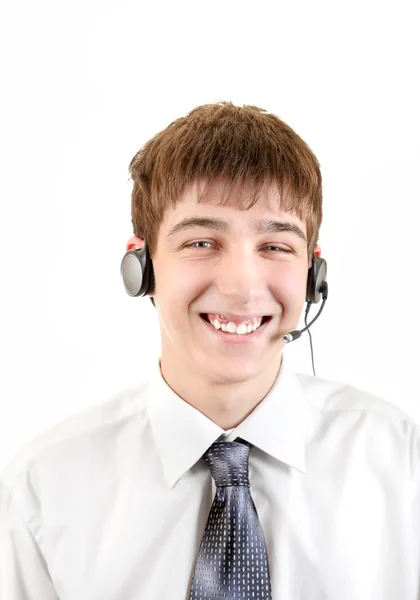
<point>233,371</point>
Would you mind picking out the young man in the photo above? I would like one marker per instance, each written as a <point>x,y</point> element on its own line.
<point>225,474</point>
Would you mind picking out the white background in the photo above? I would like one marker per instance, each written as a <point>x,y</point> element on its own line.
<point>86,83</point>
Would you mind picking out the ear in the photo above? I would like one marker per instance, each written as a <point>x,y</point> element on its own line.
<point>134,242</point>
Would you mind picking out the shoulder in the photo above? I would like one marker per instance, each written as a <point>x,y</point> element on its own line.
<point>335,396</point>
<point>128,403</point>
<point>345,408</point>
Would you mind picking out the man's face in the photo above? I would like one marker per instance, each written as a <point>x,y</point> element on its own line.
<point>237,270</point>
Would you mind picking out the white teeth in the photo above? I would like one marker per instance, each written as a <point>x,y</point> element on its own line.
<point>240,329</point>
<point>231,327</point>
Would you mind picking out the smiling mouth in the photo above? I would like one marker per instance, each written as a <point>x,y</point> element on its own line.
<point>205,317</point>
<point>264,320</point>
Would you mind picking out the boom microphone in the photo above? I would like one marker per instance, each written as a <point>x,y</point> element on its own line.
<point>294,335</point>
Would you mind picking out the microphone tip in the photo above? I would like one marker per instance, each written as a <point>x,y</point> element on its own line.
<point>293,335</point>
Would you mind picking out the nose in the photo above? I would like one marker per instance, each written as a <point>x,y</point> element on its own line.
<point>242,277</point>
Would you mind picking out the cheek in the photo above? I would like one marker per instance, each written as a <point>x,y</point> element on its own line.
<point>191,283</point>
<point>171,278</point>
<point>178,287</point>
<point>289,284</point>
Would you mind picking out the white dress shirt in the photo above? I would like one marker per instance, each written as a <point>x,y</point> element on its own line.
<point>111,504</point>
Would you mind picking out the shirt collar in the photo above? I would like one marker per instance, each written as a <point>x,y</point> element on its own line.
<point>278,425</point>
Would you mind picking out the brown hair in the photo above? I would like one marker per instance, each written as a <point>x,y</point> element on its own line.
<point>238,144</point>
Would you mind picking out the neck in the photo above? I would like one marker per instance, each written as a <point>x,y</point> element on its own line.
<point>226,403</point>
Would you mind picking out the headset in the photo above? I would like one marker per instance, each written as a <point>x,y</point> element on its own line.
<point>138,278</point>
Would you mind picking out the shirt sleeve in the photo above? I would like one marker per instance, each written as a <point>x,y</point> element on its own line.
<point>23,570</point>
<point>414,452</point>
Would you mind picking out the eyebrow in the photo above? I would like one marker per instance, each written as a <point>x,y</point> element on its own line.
<point>261,226</point>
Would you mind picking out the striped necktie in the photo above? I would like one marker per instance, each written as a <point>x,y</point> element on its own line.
<point>232,561</point>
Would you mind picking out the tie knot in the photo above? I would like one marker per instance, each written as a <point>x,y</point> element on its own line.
<point>228,463</point>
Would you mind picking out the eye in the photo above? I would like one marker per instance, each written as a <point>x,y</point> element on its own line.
<point>200,242</point>
<point>282,249</point>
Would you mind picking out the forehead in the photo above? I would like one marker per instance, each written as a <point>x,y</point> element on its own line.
<point>268,206</point>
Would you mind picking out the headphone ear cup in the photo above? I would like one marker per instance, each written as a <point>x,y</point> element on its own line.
<point>137,272</point>
<point>317,274</point>
<point>149,275</point>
